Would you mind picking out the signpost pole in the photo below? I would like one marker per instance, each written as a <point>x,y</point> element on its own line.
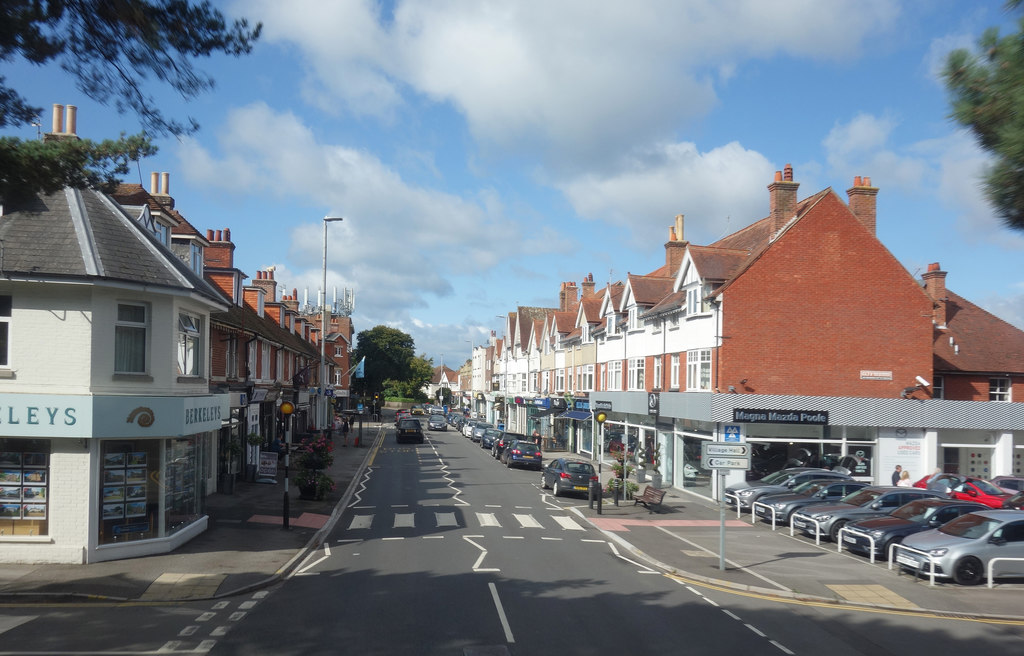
<point>721,520</point>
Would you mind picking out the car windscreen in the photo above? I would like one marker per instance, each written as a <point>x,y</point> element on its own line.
<point>915,511</point>
<point>776,477</point>
<point>579,467</point>
<point>492,432</point>
<point>810,487</point>
<point>969,526</point>
<point>860,497</point>
<point>987,487</point>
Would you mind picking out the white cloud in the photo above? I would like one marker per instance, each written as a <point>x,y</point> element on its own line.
<point>718,192</point>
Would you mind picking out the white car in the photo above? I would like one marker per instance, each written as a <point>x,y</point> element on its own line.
<point>962,549</point>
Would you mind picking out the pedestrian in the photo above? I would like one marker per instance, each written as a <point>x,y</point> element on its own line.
<point>344,431</point>
<point>896,475</point>
<point>905,479</point>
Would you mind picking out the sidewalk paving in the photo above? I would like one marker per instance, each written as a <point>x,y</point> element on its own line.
<point>245,547</point>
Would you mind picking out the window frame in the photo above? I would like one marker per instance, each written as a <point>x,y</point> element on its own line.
<point>6,316</point>
<point>636,374</point>
<point>999,389</point>
<point>698,370</point>
<point>674,371</point>
<point>123,325</point>
<point>190,333</point>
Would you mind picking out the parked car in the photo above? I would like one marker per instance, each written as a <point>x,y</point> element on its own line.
<point>489,437</point>
<point>502,443</point>
<point>467,427</point>
<point>436,422</point>
<point>409,430</point>
<point>914,517</point>
<point>873,501</point>
<point>522,453</point>
<point>962,548</point>
<point>980,490</point>
<point>563,475</point>
<point>813,491</point>
<point>1016,502</point>
<point>478,430</point>
<point>747,492</point>
<point>941,482</point>
<point>1009,483</point>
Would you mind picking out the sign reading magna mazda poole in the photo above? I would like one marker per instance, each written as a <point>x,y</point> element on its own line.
<point>817,417</point>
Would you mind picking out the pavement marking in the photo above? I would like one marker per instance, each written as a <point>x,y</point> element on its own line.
<point>514,537</point>
<point>433,537</point>
<point>501,613</point>
<point>567,523</point>
<point>556,539</point>
<point>487,519</point>
<point>527,521</point>
<point>361,521</point>
<point>871,594</point>
<point>445,519</point>
<point>645,570</point>
<point>736,565</point>
<point>405,520</point>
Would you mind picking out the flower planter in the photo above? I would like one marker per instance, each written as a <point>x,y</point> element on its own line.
<point>656,481</point>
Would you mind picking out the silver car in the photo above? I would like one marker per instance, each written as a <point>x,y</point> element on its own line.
<point>963,548</point>
<point>828,518</point>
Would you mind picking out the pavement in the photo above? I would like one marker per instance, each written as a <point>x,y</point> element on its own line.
<point>246,548</point>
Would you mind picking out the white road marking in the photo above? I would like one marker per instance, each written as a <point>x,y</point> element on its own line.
<point>483,554</point>
<point>488,519</point>
<point>645,570</point>
<point>501,613</point>
<point>527,521</point>
<point>445,519</point>
<point>736,565</point>
<point>360,521</point>
<point>567,523</point>
<point>405,520</point>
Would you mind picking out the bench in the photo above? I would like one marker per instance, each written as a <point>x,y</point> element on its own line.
<point>652,496</point>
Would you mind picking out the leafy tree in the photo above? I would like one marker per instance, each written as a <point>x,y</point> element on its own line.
<point>421,370</point>
<point>388,352</point>
<point>987,92</point>
<point>110,47</point>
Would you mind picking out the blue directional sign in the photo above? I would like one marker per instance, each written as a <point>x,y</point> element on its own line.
<point>731,433</point>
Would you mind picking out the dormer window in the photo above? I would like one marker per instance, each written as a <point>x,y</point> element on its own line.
<point>196,256</point>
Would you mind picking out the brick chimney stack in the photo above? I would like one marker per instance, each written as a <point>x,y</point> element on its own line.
<point>221,252</point>
<point>265,280</point>
<point>935,285</point>
<point>675,247</point>
<point>863,198</point>
<point>292,301</point>
<point>568,296</point>
<point>587,286</point>
<point>782,198</point>
<point>64,125</point>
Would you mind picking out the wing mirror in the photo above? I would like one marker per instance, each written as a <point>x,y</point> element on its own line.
<point>876,505</point>
<point>997,540</point>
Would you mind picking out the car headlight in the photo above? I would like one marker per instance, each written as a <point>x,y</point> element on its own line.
<point>746,493</point>
<point>822,518</point>
<point>938,552</point>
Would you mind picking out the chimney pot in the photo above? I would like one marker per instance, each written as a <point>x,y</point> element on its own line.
<point>72,120</point>
<point>867,181</point>
<point>165,183</point>
<point>209,234</point>
<point>857,181</point>
<point>227,234</point>
<point>778,176</point>
<point>58,118</point>
<point>217,236</point>
<point>154,183</point>
<point>787,173</point>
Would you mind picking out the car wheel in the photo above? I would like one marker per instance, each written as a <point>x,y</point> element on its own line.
<point>968,571</point>
<point>557,489</point>
<point>544,482</point>
<point>889,543</point>
<point>833,533</point>
<point>508,463</point>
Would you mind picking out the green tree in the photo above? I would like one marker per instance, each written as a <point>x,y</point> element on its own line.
<point>110,47</point>
<point>388,352</point>
<point>421,370</point>
<point>987,96</point>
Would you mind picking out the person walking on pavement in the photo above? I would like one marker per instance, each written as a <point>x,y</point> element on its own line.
<point>896,475</point>
<point>344,431</point>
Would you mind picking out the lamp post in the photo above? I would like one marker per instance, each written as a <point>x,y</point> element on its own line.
<point>287,408</point>
<point>323,335</point>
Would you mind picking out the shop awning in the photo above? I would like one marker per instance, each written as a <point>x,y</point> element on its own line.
<point>575,414</point>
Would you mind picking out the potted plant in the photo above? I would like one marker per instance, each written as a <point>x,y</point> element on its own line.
<point>656,478</point>
<point>313,484</point>
<point>641,466</point>
<point>315,453</point>
<point>254,439</point>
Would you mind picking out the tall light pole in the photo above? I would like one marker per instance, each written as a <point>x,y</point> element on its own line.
<point>324,325</point>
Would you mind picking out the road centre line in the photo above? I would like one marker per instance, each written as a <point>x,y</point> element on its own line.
<point>501,613</point>
<point>734,564</point>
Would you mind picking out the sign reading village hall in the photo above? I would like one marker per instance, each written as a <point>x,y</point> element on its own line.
<point>817,417</point>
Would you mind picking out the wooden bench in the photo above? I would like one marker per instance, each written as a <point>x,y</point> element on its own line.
<point>652,496</point>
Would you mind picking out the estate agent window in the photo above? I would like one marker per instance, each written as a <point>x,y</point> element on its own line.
<point>130,339</point>
<point>24,486</point>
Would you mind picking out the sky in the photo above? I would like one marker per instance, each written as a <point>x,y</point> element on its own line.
<point>482,153</point>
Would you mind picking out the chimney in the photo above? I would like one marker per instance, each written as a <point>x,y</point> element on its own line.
<point>782,198</point>
<point>935,285</point>
<point>587,286</point>
<point>221,252</point>
<point>162,194</point>
<point>862,197</point>
<point>675,247</point>
<point>64,124</point>
<point>568,296</point>
<point>292,301</point>
<point>154,183</point>
<point>265,280</point>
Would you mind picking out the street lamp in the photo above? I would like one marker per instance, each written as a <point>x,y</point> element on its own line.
<point>287,408</point>
<point>323,335</point>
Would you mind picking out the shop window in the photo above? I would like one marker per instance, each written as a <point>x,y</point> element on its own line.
<point>130,337</point>
<point>189,355</point>
<point>129,491</point>
<point>5,331</point>
<point>182,501</point>
<point>24,486</point>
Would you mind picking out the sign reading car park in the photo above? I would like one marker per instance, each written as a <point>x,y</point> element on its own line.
<point>725,455</point>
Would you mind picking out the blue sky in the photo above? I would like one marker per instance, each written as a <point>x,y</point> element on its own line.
<point>484,152</point>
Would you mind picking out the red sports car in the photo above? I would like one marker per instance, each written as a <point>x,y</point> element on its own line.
<point>980,490</point>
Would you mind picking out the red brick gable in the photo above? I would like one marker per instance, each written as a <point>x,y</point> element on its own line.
<point>821,303</point>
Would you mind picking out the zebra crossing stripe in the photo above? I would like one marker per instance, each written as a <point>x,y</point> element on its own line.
<point>361,521</point>
<point>487,519</point>
<point>527,521</point>
<point>445,519</point>
<point>567,523</point>
<point>405,520</point>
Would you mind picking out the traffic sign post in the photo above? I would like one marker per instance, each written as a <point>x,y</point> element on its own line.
<point>722,456</point>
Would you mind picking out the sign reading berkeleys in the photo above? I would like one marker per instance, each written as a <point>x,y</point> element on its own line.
<point>725,455</point>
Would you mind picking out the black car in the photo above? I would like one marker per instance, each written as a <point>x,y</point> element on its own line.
<point>436,422</point>
<point>502,442</point>
<point>1016,502</point>
<point>827,518</point>
<point>489,437</point>
<point>523,453</point>
<point>914,517</point>
<point>409,430</point>
<point>563,476</point>
<point>813,491</point>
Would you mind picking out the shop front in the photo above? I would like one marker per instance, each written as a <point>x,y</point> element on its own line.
<point>94,478</point>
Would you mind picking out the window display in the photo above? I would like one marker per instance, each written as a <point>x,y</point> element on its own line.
<point>24,486</point>
<point>129,491</point>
